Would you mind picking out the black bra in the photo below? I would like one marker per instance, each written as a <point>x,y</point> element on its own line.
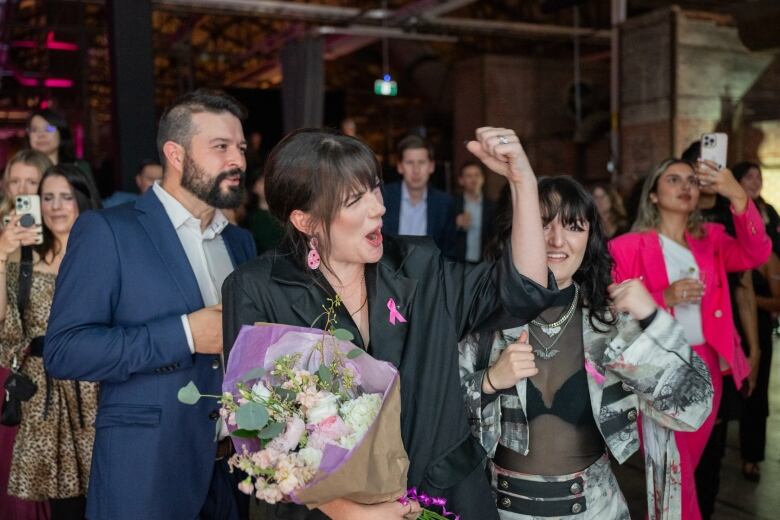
<point>571,401</point>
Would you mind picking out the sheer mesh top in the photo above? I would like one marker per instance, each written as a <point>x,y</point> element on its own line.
<point>563,434</point>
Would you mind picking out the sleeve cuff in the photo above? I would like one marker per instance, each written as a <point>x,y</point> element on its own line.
<point>188,332</point>
<point>645,322</point>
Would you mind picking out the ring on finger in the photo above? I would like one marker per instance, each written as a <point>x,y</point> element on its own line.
<point>502,139</point>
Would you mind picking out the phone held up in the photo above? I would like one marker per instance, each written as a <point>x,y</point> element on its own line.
<point>29,209</point>
<point>714,147</point>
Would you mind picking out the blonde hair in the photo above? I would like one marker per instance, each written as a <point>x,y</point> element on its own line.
<point>648,217</point>
<point>33,158</point>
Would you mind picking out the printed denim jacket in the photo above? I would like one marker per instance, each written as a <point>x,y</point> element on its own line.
<point>631,372</point>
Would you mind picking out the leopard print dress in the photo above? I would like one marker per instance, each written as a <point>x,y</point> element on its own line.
<point>53,448</point>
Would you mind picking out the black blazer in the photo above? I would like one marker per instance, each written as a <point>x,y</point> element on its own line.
<point>441,216</point>
<point>488,213</point>
<point>442,301</point>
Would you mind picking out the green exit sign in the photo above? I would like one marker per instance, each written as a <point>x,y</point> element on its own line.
<point>384,87</point>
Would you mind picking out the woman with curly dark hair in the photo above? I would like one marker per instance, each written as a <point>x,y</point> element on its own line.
<point>549,399</point>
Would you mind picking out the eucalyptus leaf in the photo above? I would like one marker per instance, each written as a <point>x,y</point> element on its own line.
<point>272,430</point>
<point>343,335</point>
<point>255,373</point>
<point>189,394</point>
<point>244,434</point>
<point>355,352</point>
<point>326,375</point>
<point>251,416</point>
<point>285,394</point>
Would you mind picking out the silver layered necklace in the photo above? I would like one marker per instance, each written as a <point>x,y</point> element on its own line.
<point>553,330</point>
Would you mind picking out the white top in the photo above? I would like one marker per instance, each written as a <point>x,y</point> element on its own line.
<point>413,219</point>
<point>474,232</point>
<point>206,251</point>
<point>680,264</point>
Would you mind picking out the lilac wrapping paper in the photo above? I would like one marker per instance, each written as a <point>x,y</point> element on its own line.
<point>260,345</point>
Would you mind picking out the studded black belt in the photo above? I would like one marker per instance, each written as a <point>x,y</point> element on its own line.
<point>560,498</point>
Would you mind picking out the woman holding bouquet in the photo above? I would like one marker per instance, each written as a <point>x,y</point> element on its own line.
<point>548,399</point>
<point>401,299</point>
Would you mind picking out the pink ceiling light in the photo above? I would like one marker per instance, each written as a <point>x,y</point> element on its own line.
<point>51,44</point>
<point>57,83</point>
<point>56,45</point>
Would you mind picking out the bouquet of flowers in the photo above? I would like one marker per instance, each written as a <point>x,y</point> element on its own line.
<point>313,418</point>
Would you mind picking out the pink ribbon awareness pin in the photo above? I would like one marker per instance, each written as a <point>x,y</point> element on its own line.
<point>394,314</point>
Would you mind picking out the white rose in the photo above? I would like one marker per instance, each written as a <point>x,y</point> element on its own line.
<point>326,406</point>
<point>311,457</point>
<point>360,413</point>
<point>260,391</point>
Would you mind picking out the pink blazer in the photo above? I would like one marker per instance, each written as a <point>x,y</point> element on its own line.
<point>716,252</point>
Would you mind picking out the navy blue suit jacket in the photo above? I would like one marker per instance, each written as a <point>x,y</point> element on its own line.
<point>488,214</point>
<point>123,285</point>
<point>441,216</point>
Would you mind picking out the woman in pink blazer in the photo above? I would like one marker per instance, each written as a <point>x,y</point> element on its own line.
<point>683,262</point>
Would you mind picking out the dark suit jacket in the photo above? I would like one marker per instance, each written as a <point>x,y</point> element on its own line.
<point>441,301</point>
<point>441,216</point>
<point>116,318</point>
<point>488,212</point>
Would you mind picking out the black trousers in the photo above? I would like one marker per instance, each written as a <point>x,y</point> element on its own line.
<point>68,508</point>
<point>224,501</point>
<point>752,424</point>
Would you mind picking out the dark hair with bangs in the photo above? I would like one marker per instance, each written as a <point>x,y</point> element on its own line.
<point>65,151</point>
<point>314,170</point>
<point>565,197</point>
<point>84,192</point>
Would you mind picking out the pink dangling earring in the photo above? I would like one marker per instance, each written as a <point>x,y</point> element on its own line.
<point>314,257</point>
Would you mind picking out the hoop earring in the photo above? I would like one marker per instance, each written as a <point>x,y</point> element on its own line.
<point>313,259</point>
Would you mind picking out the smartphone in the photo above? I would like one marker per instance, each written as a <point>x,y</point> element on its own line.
<point>29,209</point>
<point>714,147</point>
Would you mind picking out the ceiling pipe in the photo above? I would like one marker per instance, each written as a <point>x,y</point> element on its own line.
<point>384,32</point>
<point>268,8</point>
<point>515,29</point>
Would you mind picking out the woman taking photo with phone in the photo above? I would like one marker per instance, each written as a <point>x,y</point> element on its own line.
<point>548,400</point>
<point>53,447</point>
<point>683,263</point>
<point>22,176</point>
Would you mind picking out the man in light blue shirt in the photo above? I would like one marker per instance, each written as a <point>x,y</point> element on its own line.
<point>474,214</point>
<point>414,207</point>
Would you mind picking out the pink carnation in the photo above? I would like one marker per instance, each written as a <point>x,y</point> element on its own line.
<point>289,440</point>
<point>329,430</point>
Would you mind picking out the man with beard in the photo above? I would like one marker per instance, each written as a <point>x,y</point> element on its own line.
<point>138,309</point>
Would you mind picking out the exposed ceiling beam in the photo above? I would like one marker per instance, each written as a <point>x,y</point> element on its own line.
<point>272,8</point>
<point>513,29</point>
<point>341,44</point>
<point>384,32</point>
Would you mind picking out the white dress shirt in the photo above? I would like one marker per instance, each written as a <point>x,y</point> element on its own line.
<point>474,232</point>
<point>205,249</point>
<point>681,264</point>
<point>413,219</point>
